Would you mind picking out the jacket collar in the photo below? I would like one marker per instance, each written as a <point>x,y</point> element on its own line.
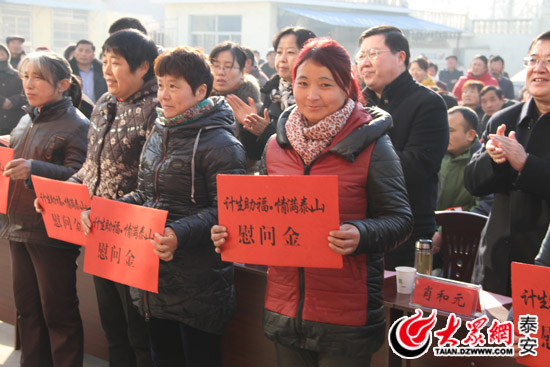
<point>390,91</point>
<point>360,131</point>
<point>249,87</point>
<point>467,154</point>
<point>219,116</point>
<point>529,113</point>
<point>109,107</point>
<point>49,110</point>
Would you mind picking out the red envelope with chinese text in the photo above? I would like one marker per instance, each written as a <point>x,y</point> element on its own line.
<point>119,247</point>
<point>6,155</point>
<point>62,202</point>
<point>279,220</point>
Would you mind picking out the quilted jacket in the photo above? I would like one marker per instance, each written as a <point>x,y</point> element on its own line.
<point>118,130</point>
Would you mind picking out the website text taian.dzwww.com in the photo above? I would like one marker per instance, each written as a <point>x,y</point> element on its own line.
<point>479,351</point>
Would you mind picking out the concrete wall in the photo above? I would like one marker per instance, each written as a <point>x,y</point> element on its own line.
<point>259,22</point>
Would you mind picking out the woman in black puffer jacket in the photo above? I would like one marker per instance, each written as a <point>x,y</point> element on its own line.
<point>191,143</point>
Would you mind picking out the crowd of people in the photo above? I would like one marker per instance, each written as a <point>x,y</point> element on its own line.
<point>154,127</point>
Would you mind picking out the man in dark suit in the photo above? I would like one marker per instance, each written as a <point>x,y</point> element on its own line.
<point>89,69</point>
<point>420,132</point>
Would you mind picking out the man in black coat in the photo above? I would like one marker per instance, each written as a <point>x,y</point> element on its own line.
<point>89,69</point>
<point>15,45</point>
<point>496,68</point>
<point>420,134</point>
<point>514,163</point>
<point>11,93</point>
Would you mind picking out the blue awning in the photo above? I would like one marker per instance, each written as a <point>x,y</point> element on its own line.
<point>367,20</point>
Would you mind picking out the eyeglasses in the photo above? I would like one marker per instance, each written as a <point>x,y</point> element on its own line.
<point>371,54</point>
<point>223,68</point>
<point>532,61</point>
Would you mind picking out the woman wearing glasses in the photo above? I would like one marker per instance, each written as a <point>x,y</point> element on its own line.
<point>257,125</point>
<point>227,60</point>
<point>335,317</point>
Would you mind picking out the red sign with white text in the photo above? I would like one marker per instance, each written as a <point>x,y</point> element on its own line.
<point>62,202</point>
<point>531,305</point>
<point>445,296</point>
<point>6,155</point>
<point>279,220</point>
<point>119,247</point>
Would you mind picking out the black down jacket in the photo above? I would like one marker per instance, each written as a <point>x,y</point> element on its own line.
<point>178,170</point>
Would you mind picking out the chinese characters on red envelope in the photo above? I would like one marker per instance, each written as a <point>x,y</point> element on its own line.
<point>279,220</point>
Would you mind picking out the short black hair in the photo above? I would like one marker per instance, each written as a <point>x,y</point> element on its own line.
<point>302,36</point>
<point>469,115</point>
<point>136,47</point>
<point>452,57</point>
<point>472,83</point>
<point>489,88</point>
<point>541,37</point>
<point>482,58</point>
<point>422,63</point>
<point>496,58</point>
<point>188,63</point>
<point>85,42</point>
<point>433,65</point>
<point>127,23</point>
<point>236,50</point>
<point>69,50</point>
<point>249,55</point>
<point>394,39</point>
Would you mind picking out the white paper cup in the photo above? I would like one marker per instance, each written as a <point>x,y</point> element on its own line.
<point>405,279</point>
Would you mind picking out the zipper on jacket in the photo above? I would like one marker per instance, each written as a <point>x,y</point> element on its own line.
<point>302,285</point>
<point>157,168</point>
<point>13,193</point>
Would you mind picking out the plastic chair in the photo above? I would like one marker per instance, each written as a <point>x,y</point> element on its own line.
<point>460,232</point>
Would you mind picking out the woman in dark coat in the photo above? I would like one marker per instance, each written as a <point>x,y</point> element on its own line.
<point>191,143</point>
<point>50,141</point>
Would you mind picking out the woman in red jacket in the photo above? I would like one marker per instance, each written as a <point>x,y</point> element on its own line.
<point>334,317</point>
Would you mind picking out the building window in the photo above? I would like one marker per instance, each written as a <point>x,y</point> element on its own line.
<point>68,26</point>
<point>15,20</point>
<point>208,31</point>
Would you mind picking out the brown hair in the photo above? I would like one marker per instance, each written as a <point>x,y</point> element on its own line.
<point>188,63</point>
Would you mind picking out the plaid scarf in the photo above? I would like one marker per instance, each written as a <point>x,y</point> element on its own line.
<point>309,141</point>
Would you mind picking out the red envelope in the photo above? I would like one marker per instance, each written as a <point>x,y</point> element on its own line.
<point>119,247</point>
